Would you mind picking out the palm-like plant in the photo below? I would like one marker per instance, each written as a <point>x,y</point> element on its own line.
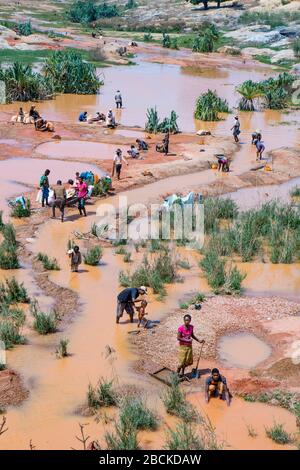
<point>22,84</point>
<point>206,39</point>
<point>209,105</point>
<point>69,73</point>
<point>276,98</point>
<point>249,91</point>
<point>154,125</point>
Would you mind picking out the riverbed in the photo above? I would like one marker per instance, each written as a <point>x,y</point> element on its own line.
<point>58,387</point>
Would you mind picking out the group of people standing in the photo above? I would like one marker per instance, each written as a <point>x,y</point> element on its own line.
<point>77,192</point>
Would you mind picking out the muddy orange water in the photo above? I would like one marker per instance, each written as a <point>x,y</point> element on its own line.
<point>57,387</point>
<point>168,87</point>
<point>234,350</point>
<point>77,149</point>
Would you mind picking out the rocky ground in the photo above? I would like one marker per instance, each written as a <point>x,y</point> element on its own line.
<point>222,315</point>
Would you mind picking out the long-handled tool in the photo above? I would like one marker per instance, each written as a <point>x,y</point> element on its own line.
<point>195,371</point>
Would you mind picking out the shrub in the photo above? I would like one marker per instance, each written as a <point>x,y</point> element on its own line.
<point>271,18</point>
<point>124,438</point>
<point>175,402</point>
<point>209,105</point>
<point>198,298</point>
<point>101,187</point>
<point>1,221</point>
<point>278,434</point>
<point>135,413</point>
<point>69,73</point>
<point>296,47</point>
<point>25,29</point>
<point>10,333</point>
<point>23,84</point>
<point>183,437</point>
<point>15,315</point>
<point>183,264</point>
<point>103,394</point>
<point>214,269</point>
<point>62,348</point>
<point>276,99</point>
<point>184,305</point>
<point>130,4</point>
<point>93,256</point>
<point>233,282</point>
<point>168,42</point>
<point>86,11</point>
<point>120,251</point>
<point>8,256</point>
<point>8,248</point>
<point>154,125</point>
<point>207,39</point>
<point>216,209</point>
<point>13,292</point>
<point>127,257</point>
<point>148,37</point>
<point>48,263</point>
<point>283,245</point>
<point>295,192</point>
<point>44,323</point>
<point>161,271</point>
<point>19,211</point>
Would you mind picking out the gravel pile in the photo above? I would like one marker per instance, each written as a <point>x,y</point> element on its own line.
<point>219,315</point>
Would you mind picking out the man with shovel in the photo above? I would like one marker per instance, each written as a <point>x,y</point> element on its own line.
<point>185,337</point>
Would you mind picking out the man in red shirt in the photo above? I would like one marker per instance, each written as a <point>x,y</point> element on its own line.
<point>82,190</point>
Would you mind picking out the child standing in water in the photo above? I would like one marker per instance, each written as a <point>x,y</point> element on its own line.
<point>76,258</point>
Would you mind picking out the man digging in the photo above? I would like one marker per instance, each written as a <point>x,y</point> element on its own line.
<point>126,301</point>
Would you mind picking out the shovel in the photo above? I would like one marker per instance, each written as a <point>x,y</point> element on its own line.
<point>195,371</point>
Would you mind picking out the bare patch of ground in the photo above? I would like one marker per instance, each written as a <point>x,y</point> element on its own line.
<point>222,315</point>
<point>12,390</point>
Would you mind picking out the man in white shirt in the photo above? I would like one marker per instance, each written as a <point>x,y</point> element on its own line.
<point>118,160</point>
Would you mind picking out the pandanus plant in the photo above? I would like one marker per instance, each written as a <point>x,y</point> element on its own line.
<point>206,39</point>
<point>209,105</point>
<point>153,124</point>
<point>249,91</point>
<point>22,84</point>
<point>69,73</point>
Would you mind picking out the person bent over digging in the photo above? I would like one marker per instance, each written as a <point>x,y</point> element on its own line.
<point>127,299</point>
<point>185,337</point>
<point>216,386</point>
<point>76,258</point>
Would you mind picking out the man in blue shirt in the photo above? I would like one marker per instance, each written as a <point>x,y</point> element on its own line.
<point>126,300</point>
<point>216,386</point>
<point>83,117</point>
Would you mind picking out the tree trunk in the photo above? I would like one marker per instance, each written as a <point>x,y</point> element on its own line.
<point>218,3</point>
<point>205,3</point>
